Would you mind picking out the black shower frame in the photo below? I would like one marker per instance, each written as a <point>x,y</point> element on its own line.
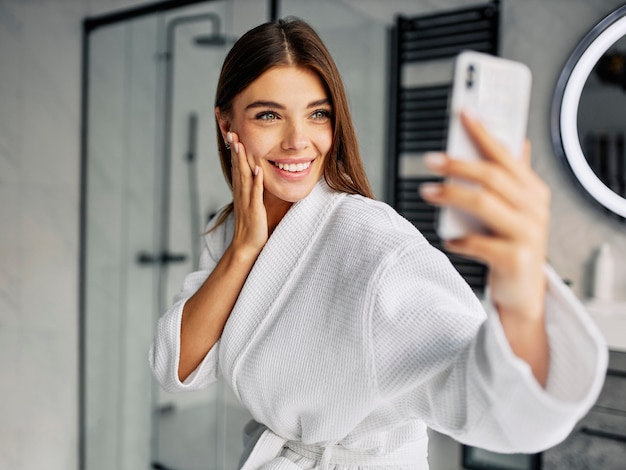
<point>90,24</point>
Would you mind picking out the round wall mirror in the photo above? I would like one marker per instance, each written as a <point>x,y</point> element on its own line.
<point>589,113</point>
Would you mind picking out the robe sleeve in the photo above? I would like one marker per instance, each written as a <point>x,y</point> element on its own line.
<point>439,358</point>
<point>165,350</point>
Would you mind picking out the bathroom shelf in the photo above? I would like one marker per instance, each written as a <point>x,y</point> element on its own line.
<point>611,320</point>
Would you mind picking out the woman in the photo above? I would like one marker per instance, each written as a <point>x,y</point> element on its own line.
<point>337,325</point>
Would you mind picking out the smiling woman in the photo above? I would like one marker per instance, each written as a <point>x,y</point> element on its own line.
<point>304,50</point>
<point>284,119</point>
<point>334,321</point>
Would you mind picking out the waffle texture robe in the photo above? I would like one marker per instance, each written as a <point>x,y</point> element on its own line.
<point>352,335</point>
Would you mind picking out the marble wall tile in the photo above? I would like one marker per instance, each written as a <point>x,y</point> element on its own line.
<point>51,100</point>
<point>10,166</point>
<point>11,91</point>
<point>9,388</point>
<point>47,393</point>
<point>49,266</point>
<point>10,254</point>
<point>10,448</point>
<point>39,180</point>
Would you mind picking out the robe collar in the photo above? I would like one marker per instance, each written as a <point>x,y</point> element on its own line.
<point>270,275</point>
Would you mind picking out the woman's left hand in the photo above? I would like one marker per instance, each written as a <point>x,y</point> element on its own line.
<point>514,204</point>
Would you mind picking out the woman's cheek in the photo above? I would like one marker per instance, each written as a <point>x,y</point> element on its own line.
<point>258,146</point>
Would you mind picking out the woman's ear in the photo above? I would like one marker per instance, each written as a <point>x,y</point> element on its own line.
<point>223,122</point>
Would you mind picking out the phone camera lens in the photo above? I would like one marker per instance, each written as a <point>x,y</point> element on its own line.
<point>469,82</point>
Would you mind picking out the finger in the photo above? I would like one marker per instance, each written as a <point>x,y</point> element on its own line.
<point>242,176</point>
<point>479,247</point>
<point>230,136</point>
<point>491,148</point>
<point>257,189</point>
<point>528,194</point>
<point>481,172</point>
<point>251,163</point>
<point>495,213</point>
<point>239,156</point>
<point>495,152</point>
<point>494,252</point>
<point>525,171</point>
<point>526,154</point>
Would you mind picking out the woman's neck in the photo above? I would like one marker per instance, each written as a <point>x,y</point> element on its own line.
<point>276,210</point>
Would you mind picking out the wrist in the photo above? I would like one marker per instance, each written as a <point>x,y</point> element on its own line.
<point>528,339</point>
<point>242,255</point>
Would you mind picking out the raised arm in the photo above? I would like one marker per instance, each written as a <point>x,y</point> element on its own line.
<point>206,312</point>
<point>515,204</point>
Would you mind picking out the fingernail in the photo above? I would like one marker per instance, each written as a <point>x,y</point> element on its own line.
<point>470,114</point>
<point>435,160</point>
<point>256,170</point>
<point>229,137</point>
<point>430,189</point>
<point>236,147</point>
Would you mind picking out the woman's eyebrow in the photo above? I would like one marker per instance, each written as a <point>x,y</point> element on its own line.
<point>315,104</point>
<point>274,105</point>
<point>265,104</point>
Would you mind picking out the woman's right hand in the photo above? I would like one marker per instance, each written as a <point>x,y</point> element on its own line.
<point>251,228</point>
<point>205,313</point>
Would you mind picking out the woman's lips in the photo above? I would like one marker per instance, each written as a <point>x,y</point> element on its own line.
<point>293,167</point>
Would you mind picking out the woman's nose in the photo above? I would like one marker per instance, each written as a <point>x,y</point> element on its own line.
<point>295,137</point>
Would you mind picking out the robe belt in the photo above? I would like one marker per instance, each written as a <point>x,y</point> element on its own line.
<point>267,450</point>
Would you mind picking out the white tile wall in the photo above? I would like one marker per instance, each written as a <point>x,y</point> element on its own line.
<point>40,45</point>
<point>40,67</point>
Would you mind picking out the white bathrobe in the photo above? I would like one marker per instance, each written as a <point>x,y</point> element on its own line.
<point>352,335</point>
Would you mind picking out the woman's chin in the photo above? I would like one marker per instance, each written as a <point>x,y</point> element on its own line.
<point>290,193</point>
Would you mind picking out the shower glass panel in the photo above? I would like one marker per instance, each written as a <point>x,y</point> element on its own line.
<point>120,221</point>
<point>151,179</point>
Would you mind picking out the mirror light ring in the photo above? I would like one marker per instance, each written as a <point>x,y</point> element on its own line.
<point>565,108</point>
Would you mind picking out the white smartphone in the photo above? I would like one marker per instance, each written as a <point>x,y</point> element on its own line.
<point>495,91</point>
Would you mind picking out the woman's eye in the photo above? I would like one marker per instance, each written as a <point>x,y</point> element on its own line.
<point>267,116</point>
<point>321,114</point>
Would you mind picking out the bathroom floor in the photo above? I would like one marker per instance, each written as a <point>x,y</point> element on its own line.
<point>188,437</point>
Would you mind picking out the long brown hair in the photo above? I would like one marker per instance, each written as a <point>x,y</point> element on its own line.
<point>293,42</point>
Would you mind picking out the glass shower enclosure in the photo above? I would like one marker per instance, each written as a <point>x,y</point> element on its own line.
<point>151,178</point>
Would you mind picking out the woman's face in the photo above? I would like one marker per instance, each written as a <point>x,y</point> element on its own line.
<point>284,120</point>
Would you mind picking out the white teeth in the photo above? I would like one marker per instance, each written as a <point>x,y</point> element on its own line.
<point>293,167</point>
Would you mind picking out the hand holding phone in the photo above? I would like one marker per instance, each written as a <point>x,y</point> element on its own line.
<point>496,92</point>
<point>505,194</point>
